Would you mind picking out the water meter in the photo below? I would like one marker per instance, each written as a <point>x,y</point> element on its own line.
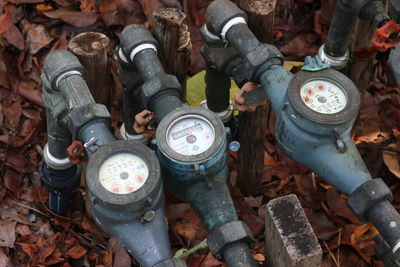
<point>125,189</point>
<point>193,152</point>
<point>325,97</point>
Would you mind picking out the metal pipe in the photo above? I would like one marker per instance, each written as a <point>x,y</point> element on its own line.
<point>131,81</point>
<point>340,29</point>
<point>58,137</point>
<point>148,64</point>
<point>217,89</point>
<point>387,220</point>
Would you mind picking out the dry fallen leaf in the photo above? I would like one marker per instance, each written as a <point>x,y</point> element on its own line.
<point>5,22</point>
<point>13,181</point>
<point>76,252</point>
<point>37,38</point>
<point>7,233</point>
<point>4,260</point>
<point>76,18</point>
<point>187,230</point>
<point>15,37</point>
<point>391,160</point>
<point>339,206</point>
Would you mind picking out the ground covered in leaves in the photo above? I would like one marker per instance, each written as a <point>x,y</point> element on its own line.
<point>30,235</point>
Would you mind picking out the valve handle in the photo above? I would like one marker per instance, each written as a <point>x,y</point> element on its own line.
<point>76,152</point>
<point>145,124</point>
<point>386,36</point>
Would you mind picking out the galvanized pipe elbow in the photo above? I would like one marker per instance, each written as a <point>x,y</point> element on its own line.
<point>226,20</point>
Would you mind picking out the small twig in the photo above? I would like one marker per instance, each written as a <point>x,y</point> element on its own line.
<point>53,213</point>
<point>393,149</point>
<point>331,254</point>
<point>87,238</point>
<point>31,208</point>
<point>186,252</point>
<point>338,248</point>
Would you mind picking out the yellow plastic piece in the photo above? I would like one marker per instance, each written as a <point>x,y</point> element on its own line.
<point>196,85</point>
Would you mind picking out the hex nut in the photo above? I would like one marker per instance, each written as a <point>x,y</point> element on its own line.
<point>80,116</point>
<point>157,84</point>
<point>228,233</point>
<point>258,57</point>
<point>367,195</point>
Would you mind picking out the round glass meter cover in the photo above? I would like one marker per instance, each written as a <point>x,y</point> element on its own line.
<point>123,173</point>
<point>190,135</point>
<point>323,96</point>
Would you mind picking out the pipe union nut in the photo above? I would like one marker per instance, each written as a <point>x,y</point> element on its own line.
<point>80,116</point>
<point>261,59</point>
<point>228,233</point>
<point>367,195</point>
<point>159,83</point>
<point>219,13</point>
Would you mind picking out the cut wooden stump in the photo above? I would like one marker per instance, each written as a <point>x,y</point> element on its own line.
<point>172,34</point>
<point>361,68</point>
<point>289,239</point>
<point>92,49</point>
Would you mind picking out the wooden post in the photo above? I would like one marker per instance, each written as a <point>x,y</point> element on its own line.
<point>252,125</point>
<point>361,70</point>
<point>92,49</point>
<point>172,34</point>
<point>289,239</point>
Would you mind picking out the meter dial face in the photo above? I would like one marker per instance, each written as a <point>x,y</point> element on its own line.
<point>123,173</point>
<point>190,135</point>
<point>323,96</point>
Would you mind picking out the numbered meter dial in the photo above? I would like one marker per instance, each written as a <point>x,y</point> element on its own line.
<point>190,134</point>
<point>326,97</point>
<point>122,172</point>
